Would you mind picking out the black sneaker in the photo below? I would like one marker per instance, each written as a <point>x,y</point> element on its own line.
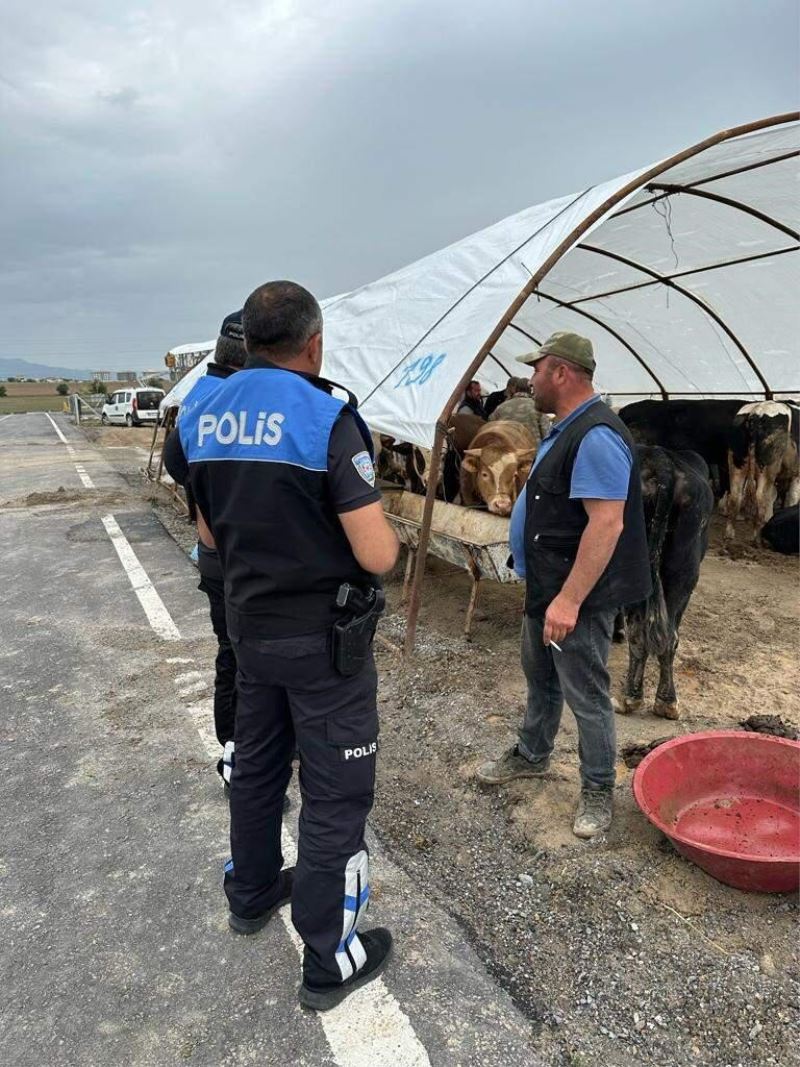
<point>252,926</point>
<point>378,947</point>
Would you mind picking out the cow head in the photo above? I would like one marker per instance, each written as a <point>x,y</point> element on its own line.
<point>499,474</point>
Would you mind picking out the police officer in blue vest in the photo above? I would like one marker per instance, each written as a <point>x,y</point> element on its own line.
<point>281,468</point>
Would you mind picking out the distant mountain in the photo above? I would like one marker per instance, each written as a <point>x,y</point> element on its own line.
<point>20,368</point>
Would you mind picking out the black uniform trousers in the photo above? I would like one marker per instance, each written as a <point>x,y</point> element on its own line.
<point>290,695</point>
<point>212,584</point>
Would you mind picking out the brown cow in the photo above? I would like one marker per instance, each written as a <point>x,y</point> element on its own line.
<point>496,465</point>
<point>462,428</point>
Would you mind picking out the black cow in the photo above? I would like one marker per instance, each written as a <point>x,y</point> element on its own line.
<point>678,504</point>
<point>782,532</point>
<point>696,425</point>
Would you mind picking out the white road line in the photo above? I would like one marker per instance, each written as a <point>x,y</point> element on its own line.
<point>369,1029</point>
<point>86,481</point>
<point>84,477</point>
<point>4,417</point>
<point>55,427</point>
<point>157,615</point>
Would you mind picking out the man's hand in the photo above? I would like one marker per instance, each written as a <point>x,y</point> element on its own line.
<point>560,619</point>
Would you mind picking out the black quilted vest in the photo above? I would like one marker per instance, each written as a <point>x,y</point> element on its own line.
<point>554,525</point>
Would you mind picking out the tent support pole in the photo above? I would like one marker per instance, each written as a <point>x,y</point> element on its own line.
<point>698,300</point>
<point>424,537</point>
<point>726,201</point>
<point>533,282</point>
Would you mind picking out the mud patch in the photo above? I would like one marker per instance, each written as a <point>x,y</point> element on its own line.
<point>61,496</point>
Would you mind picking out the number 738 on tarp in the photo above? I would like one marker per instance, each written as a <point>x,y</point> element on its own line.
<point>421,370</point>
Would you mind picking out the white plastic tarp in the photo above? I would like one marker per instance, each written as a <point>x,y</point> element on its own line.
<point>402,343</point>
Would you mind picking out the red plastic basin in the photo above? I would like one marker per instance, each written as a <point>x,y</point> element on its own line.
<point>730,801</point>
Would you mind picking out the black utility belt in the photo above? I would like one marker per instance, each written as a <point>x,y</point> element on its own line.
<point>352,635</point>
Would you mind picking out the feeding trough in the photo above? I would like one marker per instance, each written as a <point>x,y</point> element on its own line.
<point>729,801</point>
<point>477,541</point>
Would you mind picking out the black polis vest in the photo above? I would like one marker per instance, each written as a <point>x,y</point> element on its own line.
<point>554,525</point>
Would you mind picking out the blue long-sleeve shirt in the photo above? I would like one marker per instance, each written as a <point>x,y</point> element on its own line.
<point>601,471</point>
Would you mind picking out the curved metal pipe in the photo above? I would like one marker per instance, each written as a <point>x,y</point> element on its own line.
<point>533,282</point>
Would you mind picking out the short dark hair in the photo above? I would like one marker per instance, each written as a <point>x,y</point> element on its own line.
<point>279,319</point>
<point>230,352</point>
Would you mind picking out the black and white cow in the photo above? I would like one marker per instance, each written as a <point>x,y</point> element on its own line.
<point>678,504</point>
<point>701,426</point>
<point>763,448</point>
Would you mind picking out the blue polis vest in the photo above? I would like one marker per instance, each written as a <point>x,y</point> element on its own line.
<point>257,448</point>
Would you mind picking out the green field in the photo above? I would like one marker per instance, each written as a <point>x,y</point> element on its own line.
<point>31,403</point>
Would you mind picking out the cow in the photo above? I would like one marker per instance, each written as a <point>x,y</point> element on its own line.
<point>395,462</point>
<point>460,431</point>
<point>496,465</point>
<point>782,532</point>
<point>678,505</point>
<point>697,425</point>
<point>763,458</point>
<point>448,480</point>
<point>409,465</point>
<point>462,428</point>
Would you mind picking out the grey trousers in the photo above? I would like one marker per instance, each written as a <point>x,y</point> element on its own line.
<point>578,674</point>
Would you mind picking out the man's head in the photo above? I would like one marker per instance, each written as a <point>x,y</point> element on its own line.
<point>473,390</point>
<point>230,350</point>
<point>517,386</point>
<point>563,369</point>
<point>283,323</point>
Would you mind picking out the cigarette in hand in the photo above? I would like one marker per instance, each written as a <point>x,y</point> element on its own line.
<point>558,648</point>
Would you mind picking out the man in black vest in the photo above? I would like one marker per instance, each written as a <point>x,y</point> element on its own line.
<point>578,537</point>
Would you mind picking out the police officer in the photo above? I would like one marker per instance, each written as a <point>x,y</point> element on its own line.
<point>229,356</point>
<point>281,469</point>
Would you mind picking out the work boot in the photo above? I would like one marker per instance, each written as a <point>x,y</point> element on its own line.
<point>594,812</point>
<point>512,764</point>
<point>378,947</point>
<point>240,925</point>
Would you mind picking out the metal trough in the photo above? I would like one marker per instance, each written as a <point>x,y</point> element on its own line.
<point>476,541</point>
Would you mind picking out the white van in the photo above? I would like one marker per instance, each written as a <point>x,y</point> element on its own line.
<point>132,406</point>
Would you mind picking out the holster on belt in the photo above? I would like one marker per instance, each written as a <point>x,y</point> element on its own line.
<point>352,635</point>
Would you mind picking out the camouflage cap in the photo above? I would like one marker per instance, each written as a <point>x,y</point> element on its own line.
<point>569,346</point>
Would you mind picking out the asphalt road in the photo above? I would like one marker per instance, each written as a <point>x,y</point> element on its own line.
<point>115,947</point>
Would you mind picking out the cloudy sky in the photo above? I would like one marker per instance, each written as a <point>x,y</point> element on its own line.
<point>159,159</point>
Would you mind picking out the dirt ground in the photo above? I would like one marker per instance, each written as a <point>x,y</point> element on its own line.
<point>619,950</point>
<point>119,436</point>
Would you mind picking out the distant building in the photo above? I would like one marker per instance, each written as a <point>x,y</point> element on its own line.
<point>126,376</point>
<point>102,375</point>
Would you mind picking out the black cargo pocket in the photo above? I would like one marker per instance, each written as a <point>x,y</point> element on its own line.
<point>354,735</point>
